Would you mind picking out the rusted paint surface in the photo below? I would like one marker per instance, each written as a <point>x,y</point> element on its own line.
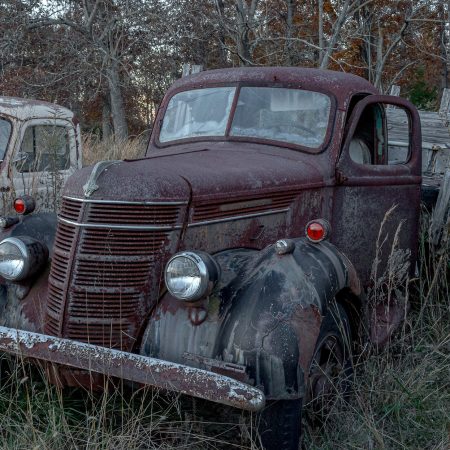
<point>306,322</point>
<point>149,371</point>
<point>366,192</point>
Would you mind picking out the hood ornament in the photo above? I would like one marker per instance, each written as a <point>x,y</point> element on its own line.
<point>91,186</point>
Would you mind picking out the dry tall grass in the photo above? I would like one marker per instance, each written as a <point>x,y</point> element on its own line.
<point>401,394</point>
<point>95,149</point>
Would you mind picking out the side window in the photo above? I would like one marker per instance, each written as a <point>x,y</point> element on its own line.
<point>5,134</point>
<point>44,148</point>
<point>381,136</point>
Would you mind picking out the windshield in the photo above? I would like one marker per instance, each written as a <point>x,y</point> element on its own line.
<point>202,112</point>
<point>5,133</point>
<point>279,114</point>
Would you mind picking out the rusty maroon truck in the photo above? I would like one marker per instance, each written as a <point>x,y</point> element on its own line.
<point>231,263</point>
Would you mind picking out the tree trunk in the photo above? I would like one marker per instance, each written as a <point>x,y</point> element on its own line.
<point>245,17</point>
<point>222,50</point>
<point>379,66</point>
<point>106,120</point>
<point>321,40</point>
<point>335,34</point>
<point>117,106</point>
<point>289,27</point>
<point>443,48</point>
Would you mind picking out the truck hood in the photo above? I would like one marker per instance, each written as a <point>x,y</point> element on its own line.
<point>222,170</point>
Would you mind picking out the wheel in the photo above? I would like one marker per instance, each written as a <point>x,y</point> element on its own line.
<point>280,425</point>
<point>329,379</point>
<point>331,369</point>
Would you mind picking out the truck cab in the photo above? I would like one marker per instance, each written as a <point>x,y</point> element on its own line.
<point>233,262</point>
<point>40,147</point>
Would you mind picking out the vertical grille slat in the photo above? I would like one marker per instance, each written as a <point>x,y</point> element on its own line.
<point>102,279</point>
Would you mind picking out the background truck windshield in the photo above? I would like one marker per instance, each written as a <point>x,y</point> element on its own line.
<point>288,115</point>
<point>5,133</point>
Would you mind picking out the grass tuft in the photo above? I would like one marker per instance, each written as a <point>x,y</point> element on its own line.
<point>95,149</point>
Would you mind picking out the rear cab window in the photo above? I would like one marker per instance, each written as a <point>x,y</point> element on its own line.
<point>44,148</point>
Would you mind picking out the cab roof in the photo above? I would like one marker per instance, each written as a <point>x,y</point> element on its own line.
<point>24,109</point>
<point>341,85</point>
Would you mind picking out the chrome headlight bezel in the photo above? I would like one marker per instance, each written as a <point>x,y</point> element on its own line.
<point>21,247</point>
<point>33,253</point>
<point>208,274</point>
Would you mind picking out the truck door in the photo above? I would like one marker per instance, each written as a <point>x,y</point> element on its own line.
<point>44,159</point>
<point>377,196</point>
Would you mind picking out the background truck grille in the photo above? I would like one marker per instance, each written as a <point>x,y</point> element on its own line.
<point>104,280</point>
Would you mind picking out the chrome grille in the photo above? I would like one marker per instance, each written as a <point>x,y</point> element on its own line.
<point>111,334</point>
<point>100,273</point>
<point>122,242</point>
<point>70,209</point>
<point>104,305</point>
<point>103,281</point>
<point>64,238</point>
<point>133,214</point>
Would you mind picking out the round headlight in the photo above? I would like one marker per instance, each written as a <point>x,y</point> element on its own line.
<point>21,257</point>
<point>190,276</point>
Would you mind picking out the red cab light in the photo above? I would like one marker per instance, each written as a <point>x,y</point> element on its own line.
<point>19,206</point>
<point>24,205</point>
<point>317,230</point>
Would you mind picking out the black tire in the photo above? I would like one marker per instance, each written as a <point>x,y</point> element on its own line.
<point>331,370</point>
<point>280,422</point>
<point>280,425</point>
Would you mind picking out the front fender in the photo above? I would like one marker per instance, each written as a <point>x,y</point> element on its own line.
<point>264,316</point>
<point>274,319</point>
<point>40,226</point>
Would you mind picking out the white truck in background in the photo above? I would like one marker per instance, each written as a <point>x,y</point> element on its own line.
<point>40,147</point>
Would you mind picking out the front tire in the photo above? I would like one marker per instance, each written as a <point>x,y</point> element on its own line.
<point>329,379</point>
<point>331,369</point>
<point>280,425</point>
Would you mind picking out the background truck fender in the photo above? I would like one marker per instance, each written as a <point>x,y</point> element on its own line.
<point>40,226</point>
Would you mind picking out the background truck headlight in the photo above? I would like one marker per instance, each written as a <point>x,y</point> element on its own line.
<point>21,257</point>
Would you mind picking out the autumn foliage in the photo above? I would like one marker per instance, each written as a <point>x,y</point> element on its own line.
<point>111,60</point>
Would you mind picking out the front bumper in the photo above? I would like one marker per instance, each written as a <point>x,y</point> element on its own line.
<point>141,369</point>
